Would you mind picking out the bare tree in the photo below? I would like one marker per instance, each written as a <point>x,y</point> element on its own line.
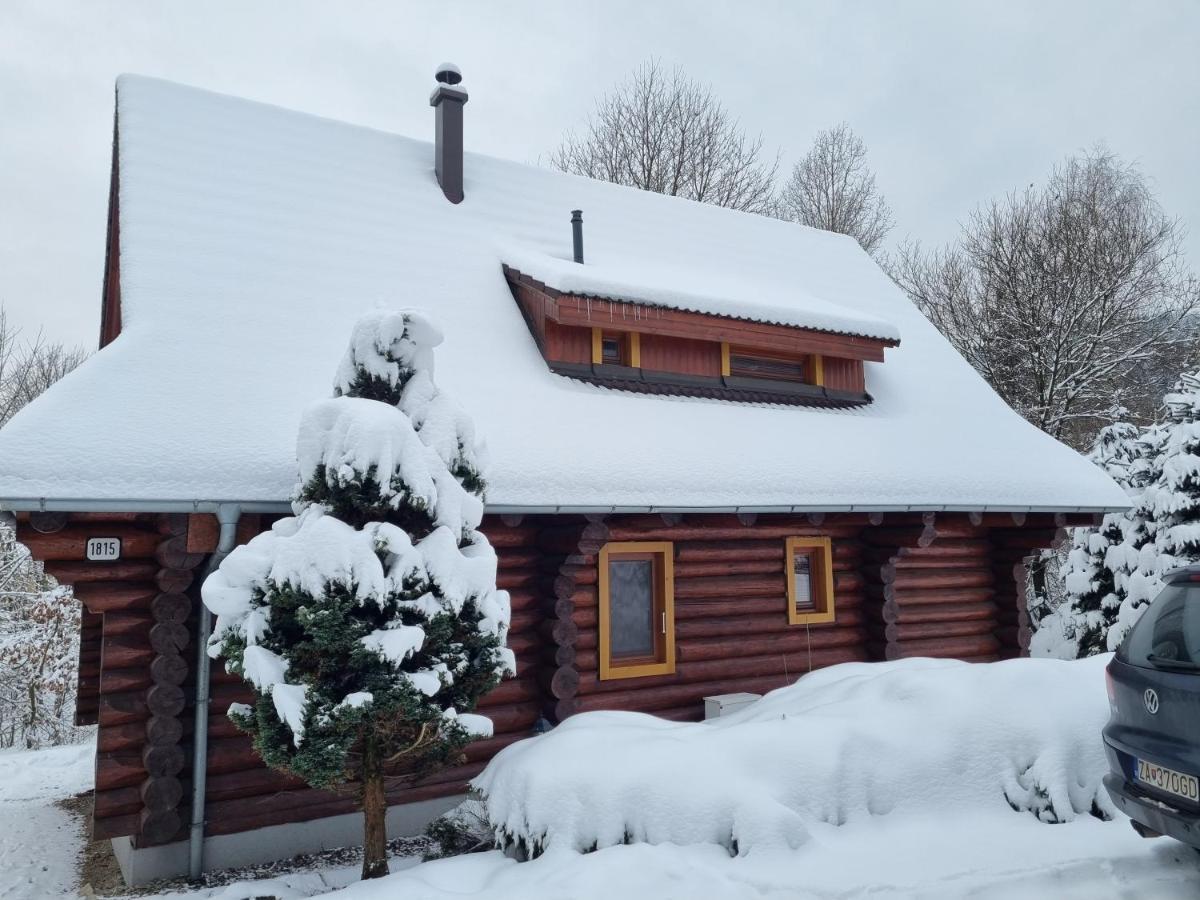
<point>664,132</point>
<point>39,621</point>
<point>833,189</point>
<point>1066,298</point>
<point>27,368</point>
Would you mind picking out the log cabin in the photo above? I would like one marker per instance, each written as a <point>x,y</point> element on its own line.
<point>725,449</point>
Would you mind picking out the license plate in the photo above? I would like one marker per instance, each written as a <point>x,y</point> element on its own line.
<point>1168,780</point>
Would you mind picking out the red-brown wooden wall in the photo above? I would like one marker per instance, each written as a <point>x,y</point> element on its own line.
<point>905,585</point>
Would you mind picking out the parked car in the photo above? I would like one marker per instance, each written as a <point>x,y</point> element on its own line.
<point>1153,736</point>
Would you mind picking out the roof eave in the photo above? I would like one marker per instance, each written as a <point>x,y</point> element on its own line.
<point>49,504</point>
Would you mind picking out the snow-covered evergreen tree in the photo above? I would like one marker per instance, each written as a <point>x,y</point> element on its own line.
<point>370,624</point>
<point>1080,626</point>
<point>1135,562</point>
<point>1114,571</point>
<point>1167,532</point>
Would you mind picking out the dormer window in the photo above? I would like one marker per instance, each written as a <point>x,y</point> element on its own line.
<point>612,350</point>
<point>616,348</point>
<point>658,349</point>
<point>746,363</point>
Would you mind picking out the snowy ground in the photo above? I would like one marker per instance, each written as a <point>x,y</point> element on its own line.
<point>948,848</point>
<point>998,855</point>
<point>39,842</point>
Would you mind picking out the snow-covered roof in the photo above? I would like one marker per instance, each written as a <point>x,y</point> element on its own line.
<point>252,237</point>
<point>618,274</point>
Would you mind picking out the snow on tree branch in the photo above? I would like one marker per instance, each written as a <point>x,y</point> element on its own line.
<point>1069,298</point>
<point>369,624</point>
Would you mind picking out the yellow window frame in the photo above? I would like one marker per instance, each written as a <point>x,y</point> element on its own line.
<point>821,551</point>
<point>632,339</point>
<point>666,577</point>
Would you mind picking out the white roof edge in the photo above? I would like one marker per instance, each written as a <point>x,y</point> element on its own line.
<point>46,504</point>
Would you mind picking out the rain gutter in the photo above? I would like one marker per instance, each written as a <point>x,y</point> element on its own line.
<point>43,504</point>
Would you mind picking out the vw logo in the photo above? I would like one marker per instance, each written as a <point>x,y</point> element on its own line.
<point>1150,698</point>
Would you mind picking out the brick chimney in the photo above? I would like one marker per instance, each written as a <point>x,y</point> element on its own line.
<point>448,100</point>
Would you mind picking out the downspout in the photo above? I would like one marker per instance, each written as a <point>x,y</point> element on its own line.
<point>227,516</point>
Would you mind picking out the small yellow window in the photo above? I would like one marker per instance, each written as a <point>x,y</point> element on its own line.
<point>809,562</point>
<point>615,348</point>
<point>637,610</point>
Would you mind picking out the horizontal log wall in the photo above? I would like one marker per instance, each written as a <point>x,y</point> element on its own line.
<point>731,619</point>
<point>949,585</point>
<point>935,593</point>
<point>131,675</point>
<point>1010,549</point>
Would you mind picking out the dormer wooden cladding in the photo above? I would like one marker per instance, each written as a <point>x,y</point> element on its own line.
<point>652,349</point>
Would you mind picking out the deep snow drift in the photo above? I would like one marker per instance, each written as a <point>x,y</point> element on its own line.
<point>840,745</point>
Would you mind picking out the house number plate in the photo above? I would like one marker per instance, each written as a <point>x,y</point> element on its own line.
<point>104,549</point>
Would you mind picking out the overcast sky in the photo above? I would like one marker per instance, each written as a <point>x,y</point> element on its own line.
<point>957,102</point>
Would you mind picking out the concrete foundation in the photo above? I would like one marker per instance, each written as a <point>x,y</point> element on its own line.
<point>140,865</point>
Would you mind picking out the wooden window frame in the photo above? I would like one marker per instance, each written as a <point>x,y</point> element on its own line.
<point>730,354</point>
<point>631,347</point>
<point>664,601</point>
<point>820,550</point>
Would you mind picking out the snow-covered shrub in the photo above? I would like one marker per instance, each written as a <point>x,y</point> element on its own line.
<point>370,624</point>
<point>39,649</point>
<point>840,744</point>
<point>465,829</point>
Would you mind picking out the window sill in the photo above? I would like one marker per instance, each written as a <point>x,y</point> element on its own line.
<point>811,618</point>
<point>643,670</point>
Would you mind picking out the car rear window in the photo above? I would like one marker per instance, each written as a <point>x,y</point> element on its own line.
<point>1169,631</point>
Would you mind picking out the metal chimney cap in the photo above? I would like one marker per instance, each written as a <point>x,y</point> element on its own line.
<point>448,73</point>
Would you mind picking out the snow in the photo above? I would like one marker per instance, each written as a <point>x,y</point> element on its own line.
<point>988,856</point>
<point>477,725</point>
<point>356,700</point>
<point>290,701</point>
<point>306,552</point>
<point>723,292</point>
<point>349,435</point>
<point>395,644</point>
<point>252,238</point>
<point>264,668</point>
<point>39,842</point>
<point>425,681</point>
<point>287,588</point>
<point>386,342</point>
<point>1112,572</point>
<point>942,853</point>
<point>839,746</point>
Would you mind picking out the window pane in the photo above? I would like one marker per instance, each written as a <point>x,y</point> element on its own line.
<point>803,577</point>
<point>1169,630</point>
<point>631,607</point>
<point>611,351</point>
<point>767,367</point>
